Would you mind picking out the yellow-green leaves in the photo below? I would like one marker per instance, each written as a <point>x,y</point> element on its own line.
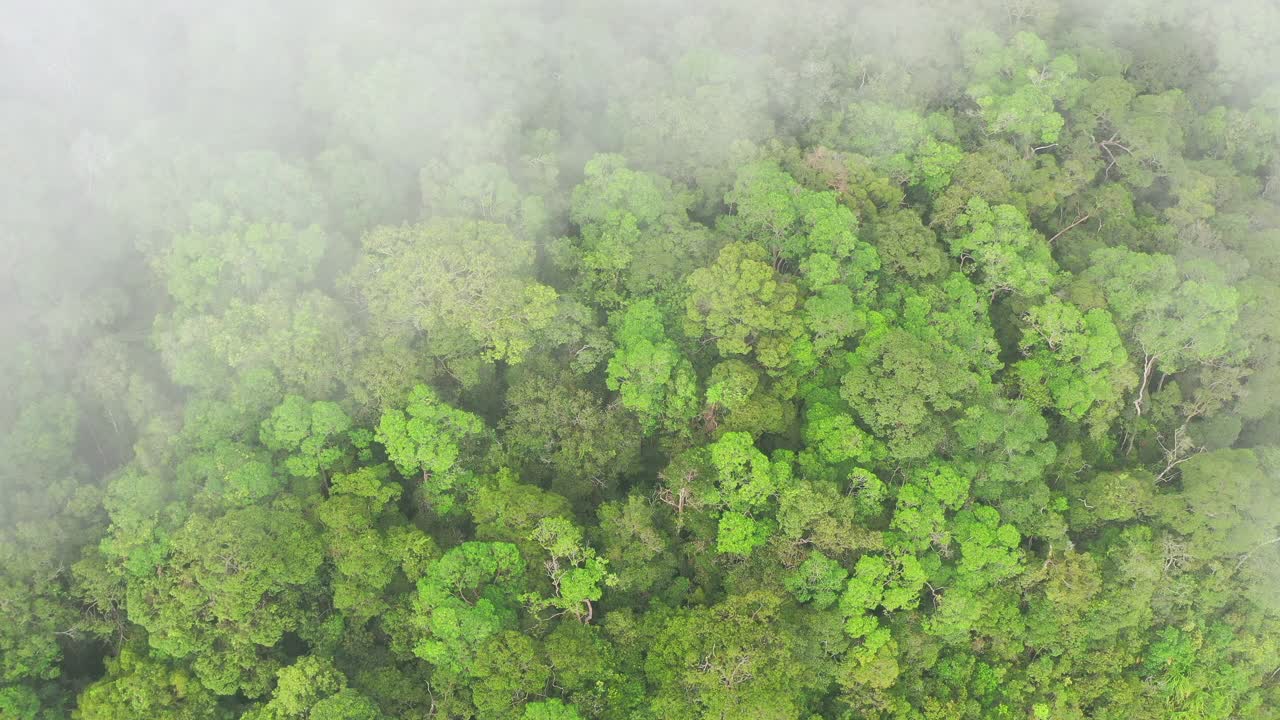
<point>878,581</point>
<point>466,597</point>
<point>746,481</point>
<point>311,434</point>
<point>464,287</point>
<point>576,573</point>
<point>427,438</point>
<point>818,580</point>
<point>1076,363</point>
<point>650,373</point>
<point>636,237</point>
<point>1019,85</point>
<point>744,306</point>
<point>1000,246</point>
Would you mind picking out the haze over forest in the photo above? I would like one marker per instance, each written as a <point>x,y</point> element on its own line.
<point>663,360</point>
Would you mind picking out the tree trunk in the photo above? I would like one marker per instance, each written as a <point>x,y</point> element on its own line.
<point>1148,365</point>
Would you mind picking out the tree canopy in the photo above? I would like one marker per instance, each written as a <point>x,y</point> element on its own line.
<point>640,361</point>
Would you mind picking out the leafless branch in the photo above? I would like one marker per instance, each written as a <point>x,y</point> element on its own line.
<point>1081,219</point>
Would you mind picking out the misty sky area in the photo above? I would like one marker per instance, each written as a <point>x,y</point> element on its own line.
<point>568,360</point>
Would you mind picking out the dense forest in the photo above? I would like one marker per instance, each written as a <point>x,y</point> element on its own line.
<point>565,360</point>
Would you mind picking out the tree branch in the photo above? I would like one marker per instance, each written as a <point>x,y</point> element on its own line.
<point>1081,219</point>
<point>1146,378</point>
<point>1245,558</point>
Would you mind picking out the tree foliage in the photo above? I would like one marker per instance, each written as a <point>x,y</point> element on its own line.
<point>555,361</point>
